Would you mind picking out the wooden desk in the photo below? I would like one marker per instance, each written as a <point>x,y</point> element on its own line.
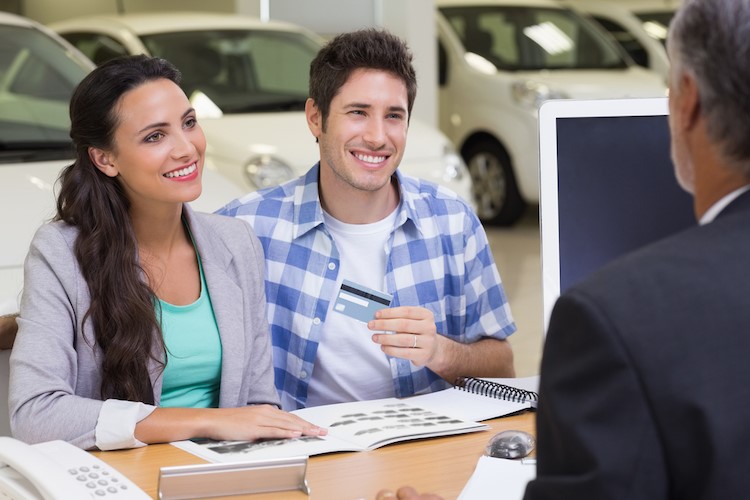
<point>438,465</point>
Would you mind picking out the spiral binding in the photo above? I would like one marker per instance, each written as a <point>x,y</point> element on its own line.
<point>495,390</point>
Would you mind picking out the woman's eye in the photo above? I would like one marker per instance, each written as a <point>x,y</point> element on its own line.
<point>191,122</point>
<point>154,137</point>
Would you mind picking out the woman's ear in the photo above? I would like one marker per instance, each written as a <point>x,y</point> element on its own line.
<point>103,161</point>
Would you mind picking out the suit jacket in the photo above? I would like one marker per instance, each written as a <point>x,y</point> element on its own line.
<point>645,379</point>
<point>55,368</point>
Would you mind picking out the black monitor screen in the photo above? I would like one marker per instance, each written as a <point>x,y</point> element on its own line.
<point>616,190</point>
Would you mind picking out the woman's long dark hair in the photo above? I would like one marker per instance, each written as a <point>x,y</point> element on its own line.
<point>122,310</point>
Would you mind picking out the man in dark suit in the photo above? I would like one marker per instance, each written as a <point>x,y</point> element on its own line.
<point>645,379</point>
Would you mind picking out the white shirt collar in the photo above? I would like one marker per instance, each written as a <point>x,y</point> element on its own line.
<point>720,205</point>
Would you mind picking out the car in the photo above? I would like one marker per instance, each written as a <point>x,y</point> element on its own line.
<point>38,72</point>
<point>498,60</point>
<point>248,81</point>
<point>639,26</point>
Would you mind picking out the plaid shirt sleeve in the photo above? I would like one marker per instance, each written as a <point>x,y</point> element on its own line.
<point>441,260</point>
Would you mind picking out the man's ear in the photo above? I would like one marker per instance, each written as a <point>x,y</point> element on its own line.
<point>689,105</point>
<point>314,118</point>
<point>103,161</point>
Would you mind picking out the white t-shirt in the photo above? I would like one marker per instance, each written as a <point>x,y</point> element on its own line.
<point>349,365</point>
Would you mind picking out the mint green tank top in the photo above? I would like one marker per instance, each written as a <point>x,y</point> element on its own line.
<point>192,376</point>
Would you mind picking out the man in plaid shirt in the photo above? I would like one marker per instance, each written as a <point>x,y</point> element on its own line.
<point>354,216</point>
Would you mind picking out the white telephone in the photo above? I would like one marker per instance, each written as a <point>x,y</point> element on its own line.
<point>57,470</point>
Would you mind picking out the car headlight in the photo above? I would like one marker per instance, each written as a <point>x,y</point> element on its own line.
<point>532,94</point>
<point>265,171</point>
<point>454,165</point>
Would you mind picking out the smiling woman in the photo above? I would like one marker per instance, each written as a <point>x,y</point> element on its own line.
<point>145,331</point>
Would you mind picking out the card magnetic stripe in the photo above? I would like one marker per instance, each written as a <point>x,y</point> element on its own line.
<point>365,295</point>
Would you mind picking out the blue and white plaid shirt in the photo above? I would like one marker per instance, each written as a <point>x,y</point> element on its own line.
<point>438,258</point>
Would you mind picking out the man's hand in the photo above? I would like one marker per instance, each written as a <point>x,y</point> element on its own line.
<point>406,493</point>
<point>8,329</point>
<point>415,337</point>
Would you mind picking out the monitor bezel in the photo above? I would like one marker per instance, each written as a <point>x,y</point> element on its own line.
<point>549,113</point>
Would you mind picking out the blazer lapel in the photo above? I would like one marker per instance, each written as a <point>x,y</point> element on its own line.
<point>227,302</point>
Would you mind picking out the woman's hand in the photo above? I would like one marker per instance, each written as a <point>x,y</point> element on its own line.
<point>249,423</point>
<point>246,423</point>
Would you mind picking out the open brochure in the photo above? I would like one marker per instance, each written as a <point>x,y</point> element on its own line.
<point>366,425</point>
<point>469,404</point>
<point>357,426</point>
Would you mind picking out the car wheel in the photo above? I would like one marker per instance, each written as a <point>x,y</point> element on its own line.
<point>493,183</point>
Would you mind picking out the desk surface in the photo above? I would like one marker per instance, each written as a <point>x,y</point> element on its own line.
<point>438,465</point>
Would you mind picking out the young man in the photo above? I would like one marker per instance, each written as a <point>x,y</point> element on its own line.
<point>355,217</point>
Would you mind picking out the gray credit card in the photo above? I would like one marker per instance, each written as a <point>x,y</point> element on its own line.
<point>360,302</point>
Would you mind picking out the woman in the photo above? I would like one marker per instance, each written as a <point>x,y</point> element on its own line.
<point>141,321</point>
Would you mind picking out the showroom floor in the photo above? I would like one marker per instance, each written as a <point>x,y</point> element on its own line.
<point>517,256</point>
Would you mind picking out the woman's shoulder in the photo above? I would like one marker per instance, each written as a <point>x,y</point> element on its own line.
<point>54,232</point>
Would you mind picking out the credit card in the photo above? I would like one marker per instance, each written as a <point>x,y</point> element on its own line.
<point>360,302</point>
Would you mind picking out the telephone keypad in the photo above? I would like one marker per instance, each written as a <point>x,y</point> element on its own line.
<point>99,480</point>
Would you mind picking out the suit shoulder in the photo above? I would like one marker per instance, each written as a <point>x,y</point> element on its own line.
<point>660,265</point>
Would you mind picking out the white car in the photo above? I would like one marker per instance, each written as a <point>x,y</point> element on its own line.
<point>248,81</point>
<point>498,61</point>
<point>639,26</point>
<point>38,72</point>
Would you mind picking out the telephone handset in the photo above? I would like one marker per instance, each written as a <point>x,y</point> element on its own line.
<point>57,470</point>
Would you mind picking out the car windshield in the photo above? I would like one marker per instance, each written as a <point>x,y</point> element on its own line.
<point>37,78</point>
<point>532,38</point>
<point>241,71</point>
<point>656,24</point>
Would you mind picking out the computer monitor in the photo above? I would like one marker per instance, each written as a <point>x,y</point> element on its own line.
<point>607,186</point>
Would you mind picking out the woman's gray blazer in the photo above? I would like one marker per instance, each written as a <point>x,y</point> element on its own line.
<point>55,376</point>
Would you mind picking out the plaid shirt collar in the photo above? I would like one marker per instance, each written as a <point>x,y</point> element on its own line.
<point>308,212</point>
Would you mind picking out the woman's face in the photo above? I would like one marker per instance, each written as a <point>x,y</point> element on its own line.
<point>159,147</point>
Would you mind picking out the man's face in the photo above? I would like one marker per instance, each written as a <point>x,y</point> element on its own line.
<point>364,137</point>
<point>683,163</point>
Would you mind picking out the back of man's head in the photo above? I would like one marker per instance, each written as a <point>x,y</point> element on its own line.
<point>710,40</point>
<point>364,49</point>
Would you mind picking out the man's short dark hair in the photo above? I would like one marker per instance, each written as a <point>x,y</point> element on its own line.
<point>363,49</point>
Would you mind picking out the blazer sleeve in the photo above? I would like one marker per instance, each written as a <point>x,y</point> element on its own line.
<point>596,436</point>
<point>44,363</point>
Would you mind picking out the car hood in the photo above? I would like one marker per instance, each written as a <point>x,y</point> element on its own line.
<point>584,84</point>
<point>28,200</point>
<point>248,135</point>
